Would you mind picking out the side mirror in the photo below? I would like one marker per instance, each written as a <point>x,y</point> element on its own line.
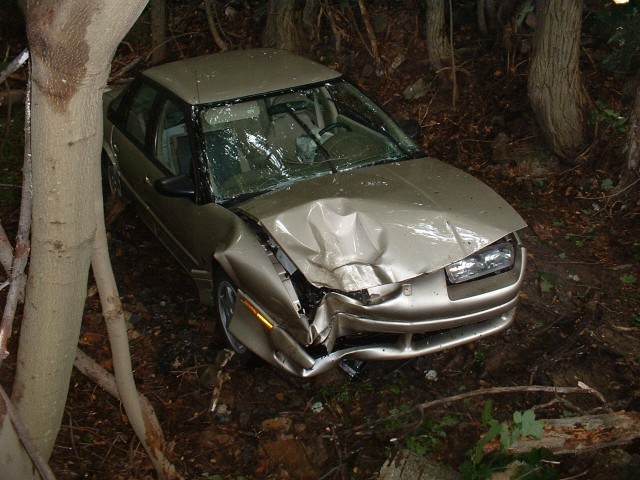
<point>411,128</point>
<point>175,186</point>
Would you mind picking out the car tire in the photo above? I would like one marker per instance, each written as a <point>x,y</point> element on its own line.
<point>225,291</point>
<point>111,184</point>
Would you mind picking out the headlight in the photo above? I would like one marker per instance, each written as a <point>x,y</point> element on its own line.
<point>495,257</point>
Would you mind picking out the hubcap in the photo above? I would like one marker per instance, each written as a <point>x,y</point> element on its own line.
<point>226,304</point>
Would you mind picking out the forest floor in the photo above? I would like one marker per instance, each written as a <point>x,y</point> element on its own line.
<point>578,318</point>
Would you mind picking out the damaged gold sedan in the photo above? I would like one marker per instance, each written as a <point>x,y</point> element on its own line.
<point>306,216</point>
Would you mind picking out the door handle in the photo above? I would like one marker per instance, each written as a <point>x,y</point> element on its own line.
<point>147,180</point>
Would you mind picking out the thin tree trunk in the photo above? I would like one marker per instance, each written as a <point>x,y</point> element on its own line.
<point>71,43</point>
<point>158,31</point>
<point>212,19</point>
<point>633,142</point>
<point>143,422</point>
<point>20,255</point>
<point>370,35</point>
<point>556,91</point>
<point>438,46</point>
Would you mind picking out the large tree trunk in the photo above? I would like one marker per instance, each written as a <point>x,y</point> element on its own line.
<point>438,47</point>
<point>283,27</point>
<point>72,43</point>
<point>556,90</point>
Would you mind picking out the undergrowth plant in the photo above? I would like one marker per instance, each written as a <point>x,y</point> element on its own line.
<point>481,466</point>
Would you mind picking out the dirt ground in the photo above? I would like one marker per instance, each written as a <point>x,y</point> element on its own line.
<point>578,318</point>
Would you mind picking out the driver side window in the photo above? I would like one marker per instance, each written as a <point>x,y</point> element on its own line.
<point>139,112</point>
<point>173,148</point>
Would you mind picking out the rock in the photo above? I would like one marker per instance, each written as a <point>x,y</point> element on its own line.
<point>407,465</point>
<point>290,455</point>
<point>278,425</point>
<point>416,90</point>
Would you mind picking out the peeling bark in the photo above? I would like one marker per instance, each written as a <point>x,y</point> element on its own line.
<point>579,434</point>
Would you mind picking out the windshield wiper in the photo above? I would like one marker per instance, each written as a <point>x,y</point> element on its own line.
<point>241,197</point>
<point>291,108</point>
<point>356,116</point>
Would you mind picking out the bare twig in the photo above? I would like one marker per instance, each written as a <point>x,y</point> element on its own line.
<point>21,253</point>
<point>21,430</point>
<point>127,68</point>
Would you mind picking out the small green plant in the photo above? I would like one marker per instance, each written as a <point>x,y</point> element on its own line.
<point>478,362</point>
<point>539,183</point>
<point>579,240</point>
<point>429,435</point>
<point>607,116</point>
<point>606,184</point>
<point>628,279</point>
<point>546,282</point>
<point>480,466</point>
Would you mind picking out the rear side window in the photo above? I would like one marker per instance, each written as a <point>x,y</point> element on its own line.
<point>138,116</point>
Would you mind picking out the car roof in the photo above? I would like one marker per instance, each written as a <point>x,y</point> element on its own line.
<point>236,74</point>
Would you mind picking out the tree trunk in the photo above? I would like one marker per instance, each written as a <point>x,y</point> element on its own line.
<point>438,47</point>
<point>72,43</point>
<point>282,30</point>
<point>556,90</point>
<point>633,142</point>
<point>158,31</point>
<point>211,10</point>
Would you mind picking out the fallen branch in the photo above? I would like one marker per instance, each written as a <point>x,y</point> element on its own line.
<point>421,407</point>
<point>15,64</point>
<point>578,434</point>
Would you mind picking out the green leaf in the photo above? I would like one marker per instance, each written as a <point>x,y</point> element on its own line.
<point>487,413</point>
<point>545,285</point>
<point>527,424</point>
<point>606,184</point>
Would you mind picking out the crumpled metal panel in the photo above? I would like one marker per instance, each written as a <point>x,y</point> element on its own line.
<point>372,226</point>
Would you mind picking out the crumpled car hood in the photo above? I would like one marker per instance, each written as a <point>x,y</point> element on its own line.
<point>384,224</point>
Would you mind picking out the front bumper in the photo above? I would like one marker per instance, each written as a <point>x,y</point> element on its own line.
<point>412,319</point>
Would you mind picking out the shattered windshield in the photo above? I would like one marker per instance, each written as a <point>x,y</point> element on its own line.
<point>268,143</point>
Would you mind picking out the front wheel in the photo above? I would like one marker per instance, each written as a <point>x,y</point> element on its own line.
<point>110,180</point>
<point>225,300</point>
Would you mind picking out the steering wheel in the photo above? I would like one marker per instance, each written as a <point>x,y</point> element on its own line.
<point>331,126</point>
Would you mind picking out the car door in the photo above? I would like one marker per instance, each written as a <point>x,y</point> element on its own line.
<point>154,140</point>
